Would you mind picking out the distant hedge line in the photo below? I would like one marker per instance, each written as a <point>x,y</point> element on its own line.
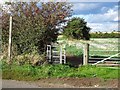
<point>105,35</point>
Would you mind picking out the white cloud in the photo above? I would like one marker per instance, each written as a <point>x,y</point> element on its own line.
<point>106,27</point>
<point>116,19</point>
<point>110,15</point>
<point>84,6</point>
<point>106,21</point>
<point>92,0</point>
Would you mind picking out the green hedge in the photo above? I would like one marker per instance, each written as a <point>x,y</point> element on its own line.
<point>105,35</point>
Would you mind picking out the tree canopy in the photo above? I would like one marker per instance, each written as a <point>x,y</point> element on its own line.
<point>77,28</point>
<point>34,26</point>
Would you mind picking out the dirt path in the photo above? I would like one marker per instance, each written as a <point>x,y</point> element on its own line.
<point>77,83</point>
<point>62,83</point>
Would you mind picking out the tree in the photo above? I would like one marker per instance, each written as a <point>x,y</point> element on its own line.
<point>34,26</point>
<point>77,29</point>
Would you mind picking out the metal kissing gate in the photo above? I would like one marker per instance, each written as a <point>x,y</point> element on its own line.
<point>56,54</point>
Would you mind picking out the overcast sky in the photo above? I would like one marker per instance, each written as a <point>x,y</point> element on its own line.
<point>101,16</point>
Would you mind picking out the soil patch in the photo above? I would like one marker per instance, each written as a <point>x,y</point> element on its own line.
<point>77,83</point>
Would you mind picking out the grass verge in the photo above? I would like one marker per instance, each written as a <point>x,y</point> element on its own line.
<point>28,72</point>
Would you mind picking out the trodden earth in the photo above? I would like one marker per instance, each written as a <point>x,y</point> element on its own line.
<point>62,83</point>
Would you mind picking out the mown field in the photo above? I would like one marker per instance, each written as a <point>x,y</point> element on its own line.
<point>104,47</point>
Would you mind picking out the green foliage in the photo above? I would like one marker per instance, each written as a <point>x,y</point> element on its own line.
<point>28,72</point>
<point>105,35</point>
<point>34,27</point>
<point>77,29</point>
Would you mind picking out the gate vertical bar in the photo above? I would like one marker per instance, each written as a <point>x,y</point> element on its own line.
<point>49,52</point>
<point>60,55</point>
<point>64,57</point>
<point>64,54</point>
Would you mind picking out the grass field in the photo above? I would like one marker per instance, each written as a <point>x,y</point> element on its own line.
<point>98,46</point>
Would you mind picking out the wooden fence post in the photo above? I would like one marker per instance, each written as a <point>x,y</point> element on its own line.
<point>10,37</point>
<point>86,54</point>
